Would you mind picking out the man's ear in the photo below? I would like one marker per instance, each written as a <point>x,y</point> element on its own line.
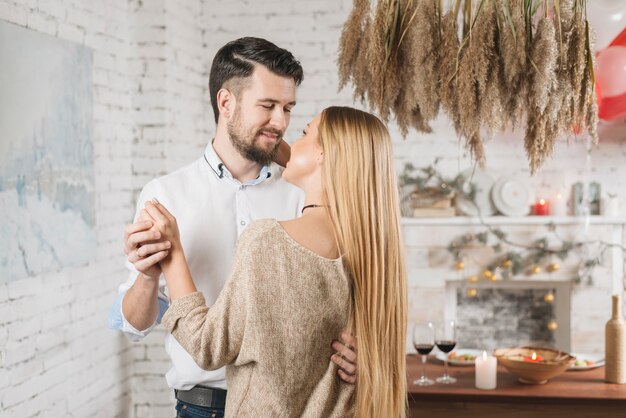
<point>226,102</point>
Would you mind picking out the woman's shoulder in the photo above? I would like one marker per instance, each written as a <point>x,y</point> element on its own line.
<point>257,231</point>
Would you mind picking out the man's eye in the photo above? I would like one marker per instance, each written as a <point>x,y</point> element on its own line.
<point>287,110</point>
<point>268,107</point>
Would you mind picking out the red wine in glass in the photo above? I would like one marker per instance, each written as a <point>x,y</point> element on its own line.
<point>424,349</point>
<point>424,342</point>
<point>445,345</point>
<point>446,341</point>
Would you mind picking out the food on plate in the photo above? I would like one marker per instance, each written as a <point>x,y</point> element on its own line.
<point>454,356</point>
<point>584,363</point>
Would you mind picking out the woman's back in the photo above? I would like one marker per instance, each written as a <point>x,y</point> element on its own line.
<point>284,303</point>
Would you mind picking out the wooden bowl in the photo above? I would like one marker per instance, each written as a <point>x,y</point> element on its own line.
<point>517,361</point>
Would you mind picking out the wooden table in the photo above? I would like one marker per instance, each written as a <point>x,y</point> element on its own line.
<point>573,394</point>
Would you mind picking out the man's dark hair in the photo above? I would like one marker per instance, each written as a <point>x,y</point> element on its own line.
<point>236,60</point>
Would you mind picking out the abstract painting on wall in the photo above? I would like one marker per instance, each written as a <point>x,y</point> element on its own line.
<point>47,202</point>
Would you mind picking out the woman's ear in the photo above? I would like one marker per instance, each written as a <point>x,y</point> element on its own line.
<point>225,103</point>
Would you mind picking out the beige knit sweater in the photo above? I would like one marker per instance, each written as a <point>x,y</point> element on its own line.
<point>273,325</point>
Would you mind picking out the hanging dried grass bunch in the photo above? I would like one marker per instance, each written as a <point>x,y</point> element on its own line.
<point>539,141</point>
<point>404,56</point>
<point>471,79</point>
<point>514,60</point>
<point>426,44</point>
<point>372,64</point>
<point>350,42</point>
<point>561,103</point>
<point>448,67</point>
<point>361,73</point>
<point>544,61</point>
<point>577,62</point>
<point>406,107</point>
<point>491,88</point>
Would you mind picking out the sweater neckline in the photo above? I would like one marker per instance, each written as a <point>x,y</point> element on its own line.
<point>301,247</point>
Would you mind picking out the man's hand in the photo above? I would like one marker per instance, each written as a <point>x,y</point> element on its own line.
<point>284,153</point>
<point>345,357</point>
<point>142,247</point>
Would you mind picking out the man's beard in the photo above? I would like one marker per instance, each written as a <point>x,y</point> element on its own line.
<point>246,142</point>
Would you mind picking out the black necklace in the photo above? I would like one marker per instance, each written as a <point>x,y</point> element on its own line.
<point>312,206</point>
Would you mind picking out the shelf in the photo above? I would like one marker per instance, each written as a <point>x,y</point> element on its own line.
<point>507,220</point>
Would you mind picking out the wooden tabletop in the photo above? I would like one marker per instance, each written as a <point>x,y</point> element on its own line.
<point>581,387</point>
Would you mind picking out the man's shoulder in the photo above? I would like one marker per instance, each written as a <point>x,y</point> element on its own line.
<point>176,179</point>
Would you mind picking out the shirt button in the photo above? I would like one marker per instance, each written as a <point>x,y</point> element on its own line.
<point>243,222</point>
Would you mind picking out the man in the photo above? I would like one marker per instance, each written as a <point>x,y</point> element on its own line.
<point>253,90</point>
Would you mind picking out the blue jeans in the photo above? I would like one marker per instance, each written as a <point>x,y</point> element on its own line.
<point>187,410</point>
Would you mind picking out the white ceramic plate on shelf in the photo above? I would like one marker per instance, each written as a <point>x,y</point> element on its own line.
<point>511,196</point>
<point>586,361</point>
<point>460,356</point>
<point>482,204</point>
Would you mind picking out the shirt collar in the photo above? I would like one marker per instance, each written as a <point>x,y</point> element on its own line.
<point>216,164</point>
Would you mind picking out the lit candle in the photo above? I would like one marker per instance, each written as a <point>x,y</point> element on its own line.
<point>486,371</point>
<point>542,208</point>
<point>535,358</point>
<point>559,205</point>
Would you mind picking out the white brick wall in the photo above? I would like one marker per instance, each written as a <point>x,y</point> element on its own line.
<point>57,357</point>
<point>152,115</point>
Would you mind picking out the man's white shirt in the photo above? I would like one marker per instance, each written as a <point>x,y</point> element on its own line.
<point>211,209</point>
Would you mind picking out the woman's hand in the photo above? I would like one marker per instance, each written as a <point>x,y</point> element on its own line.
<point>165,224</point>
<point>143,247</point>
<point>175,268</point>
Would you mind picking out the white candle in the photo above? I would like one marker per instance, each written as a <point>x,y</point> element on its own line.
<point>559,205</point>
<point>486,371</point>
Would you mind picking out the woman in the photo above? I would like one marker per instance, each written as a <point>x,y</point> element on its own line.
<point>297,284</point>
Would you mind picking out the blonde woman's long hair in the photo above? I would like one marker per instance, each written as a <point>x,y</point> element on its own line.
<point>362,194</point>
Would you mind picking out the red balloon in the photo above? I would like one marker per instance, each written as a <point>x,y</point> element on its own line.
<point>610,108</point>
<point>610,73</point>
<point>619,39</point>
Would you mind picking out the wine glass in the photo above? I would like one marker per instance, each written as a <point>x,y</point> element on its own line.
<point>446,341</point>
<point>424,342</point>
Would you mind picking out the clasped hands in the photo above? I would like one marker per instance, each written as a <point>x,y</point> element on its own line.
<point>155,235</point>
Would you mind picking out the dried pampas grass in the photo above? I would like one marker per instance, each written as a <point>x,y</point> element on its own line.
<point>403,57</point>
<point>361,73</point>
<point>426,44</point>
<point>577,63</point>
<point>448,67</point>
<point>406,107</point>
<point>349,43</point>
<point>544,59</point>
<point>491,92</point>
<point>514,57</point>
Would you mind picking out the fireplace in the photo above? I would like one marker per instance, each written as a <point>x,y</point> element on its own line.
<point>510,313</point>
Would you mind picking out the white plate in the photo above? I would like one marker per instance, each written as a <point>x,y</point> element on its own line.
<point>460,351</point>
<point>597,359</point>
<point>511,196</point>
<point>483,183</point>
